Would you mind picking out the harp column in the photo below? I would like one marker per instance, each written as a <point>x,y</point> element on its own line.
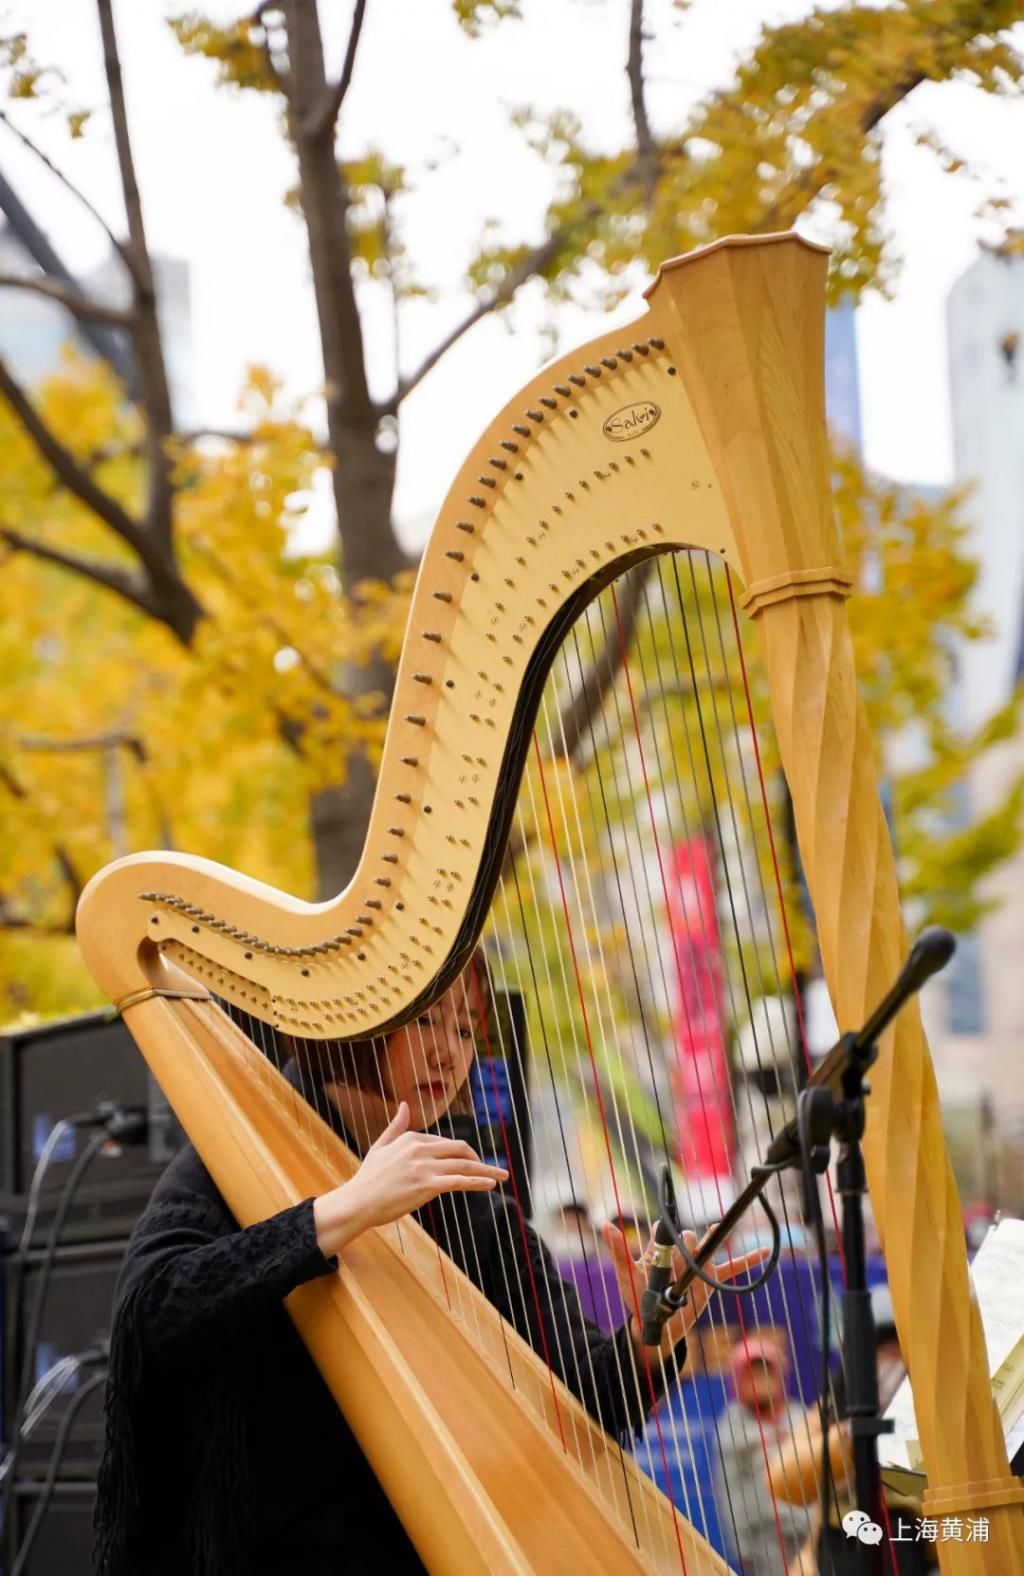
<point>748,339</point>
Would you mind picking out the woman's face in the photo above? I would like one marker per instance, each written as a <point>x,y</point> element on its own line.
<point>427,1062</point>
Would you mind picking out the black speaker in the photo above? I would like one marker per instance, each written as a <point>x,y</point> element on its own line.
<point>62,1069</point>
<point>63,1543</point>
<point>76,1317</point>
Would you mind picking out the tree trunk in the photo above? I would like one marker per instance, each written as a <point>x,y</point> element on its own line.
<point>363,476</point>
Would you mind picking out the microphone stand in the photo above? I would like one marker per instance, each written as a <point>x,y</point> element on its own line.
<point>830,1106</point>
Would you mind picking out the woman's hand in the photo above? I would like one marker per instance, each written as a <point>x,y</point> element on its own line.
<point>631,1278</point>
<point>399,1173</point>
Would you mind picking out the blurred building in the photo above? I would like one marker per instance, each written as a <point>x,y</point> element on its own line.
<point>986,371</point>
<point>978,1038</point>
<point>842,377</point>
<point>34,330</point>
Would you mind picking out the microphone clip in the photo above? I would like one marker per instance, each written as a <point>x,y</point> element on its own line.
<point>658,1300</point>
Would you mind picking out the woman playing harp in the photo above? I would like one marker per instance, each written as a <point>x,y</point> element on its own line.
<point>225,1453</point>
<point>694,446</point>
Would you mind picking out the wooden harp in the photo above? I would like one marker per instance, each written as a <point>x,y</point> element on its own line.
<point>694,443</point>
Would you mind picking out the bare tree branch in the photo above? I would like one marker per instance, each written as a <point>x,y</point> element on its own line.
<point>575,724</point>
<point>146,341</point>
<point>647,153</point>
<point>118,245</point>
<point>132,588</point>
<point>41,744</point>
<point>78,305</point>
<point>534,262</point>
<point>325,114</point>
<point>67,469</point>
<point>806,185</point>
<point>18,791</point>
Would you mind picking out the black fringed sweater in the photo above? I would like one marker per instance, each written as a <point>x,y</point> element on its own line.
<point>225,1453</point>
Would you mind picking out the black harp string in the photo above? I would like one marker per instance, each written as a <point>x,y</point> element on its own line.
<point>442,1211</point>
<point>585,930</point>
<point>768,907</point>
<point>570,1004</point>
<point>540,1021</point>
<point>595,928</point>
<point>581,786</point>
<point>476,1012</point>
<point>754,822</point>
<point>709,1423</point>
<point>647,933</point>
<point>739,842</point>
<point>661,778</point>
<point>562,1016</point>
<point>515,1221</point>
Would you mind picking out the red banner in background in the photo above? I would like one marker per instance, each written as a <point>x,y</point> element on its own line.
<point>700,1070</point>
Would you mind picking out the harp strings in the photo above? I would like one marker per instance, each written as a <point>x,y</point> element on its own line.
<point>645,821</point>
<point>711,724</point>
<point>594,1023</point>
<point>578,932</point>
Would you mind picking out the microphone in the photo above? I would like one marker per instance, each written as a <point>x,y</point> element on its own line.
<point>654,1309</point>
<point>656,1302</point>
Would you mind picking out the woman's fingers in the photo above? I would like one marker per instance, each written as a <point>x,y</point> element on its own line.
<point>472,1168</point>
<point>455,1183</point>
<point>447,1148</point>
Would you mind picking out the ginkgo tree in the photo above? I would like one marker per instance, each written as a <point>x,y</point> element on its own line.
<point>174,672</point>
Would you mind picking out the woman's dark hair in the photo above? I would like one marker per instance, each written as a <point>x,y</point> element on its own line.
<point>357,1062</point>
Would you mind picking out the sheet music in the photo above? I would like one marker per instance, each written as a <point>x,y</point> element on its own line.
<point>997,1274</point>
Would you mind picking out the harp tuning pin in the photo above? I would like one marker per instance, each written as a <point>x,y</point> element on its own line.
<point>499,465</point>
<point>390,859</point>
<point>404,798</point>
<point>487,481</point>
<point>641,350</point>
<point>373,902</point>
<point>464,525</point>
<point>382,881</point>
<point>513,448</point>
<point>548,402</point>
<point>432,635</point>
<point>395,831</point>
<point>423,678</point>
<point>478,503</point>
<point>580,383</point>
<point>610,363</point>
<point>524,432</point>
<point>443,596</point>
<point>624,355</point>
<point>656,344</point>
<point>409,760</point>
<point>456,556</point>
<point>417,722</point>
<point>535,415</point>
<point>361,919</point>
<point>592,371</point>
<point>354,932</point>
<point>560,388</point>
